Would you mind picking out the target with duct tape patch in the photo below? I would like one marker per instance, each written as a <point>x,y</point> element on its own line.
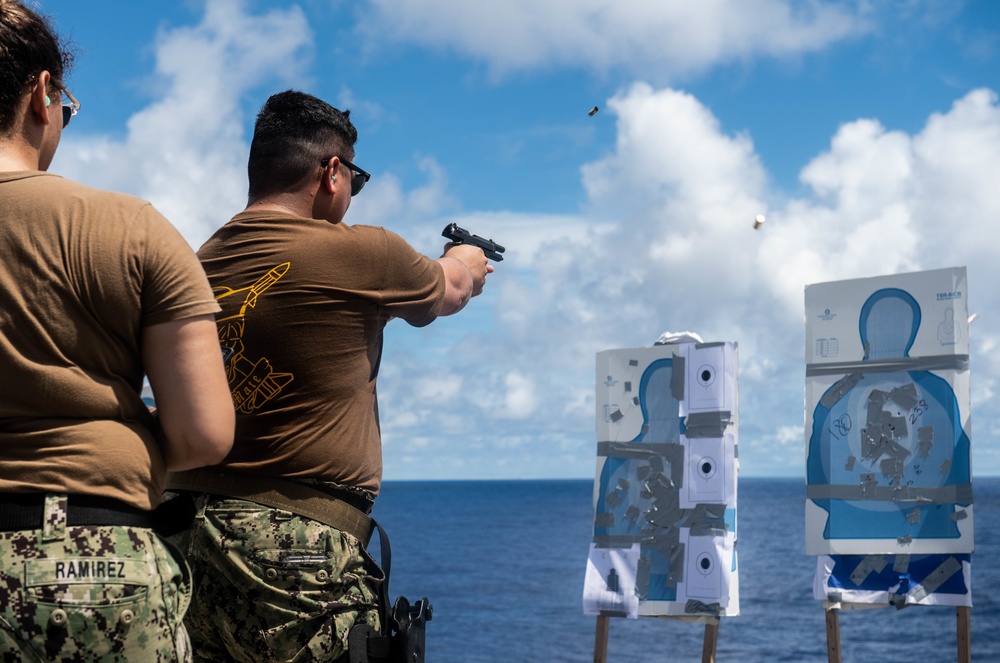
<point>704,569</point>
<point>706,475</point>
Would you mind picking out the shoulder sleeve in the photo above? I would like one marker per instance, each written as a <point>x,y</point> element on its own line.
<point>413,284</point>
<point>174,285</point>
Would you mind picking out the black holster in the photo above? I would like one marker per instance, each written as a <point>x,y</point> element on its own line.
<point>402,638</point>
<point>405,642</point>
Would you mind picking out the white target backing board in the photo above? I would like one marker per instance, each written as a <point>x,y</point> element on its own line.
<point>665,465</point>
<point>888,434</point>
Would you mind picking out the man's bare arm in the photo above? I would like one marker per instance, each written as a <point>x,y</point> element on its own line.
<point>465,269</point>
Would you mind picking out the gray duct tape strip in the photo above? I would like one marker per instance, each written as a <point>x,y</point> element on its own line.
<point>901,564</point>
<point>905,396</point>
<point>868,565</point>
<point>711,344</point>
<point>937,577</point>
<point>639,450</point>
<point>694,606</point>
<point>961,514</point>
<point>614,541</point>
<point>928,363</point>
<point>960,493</point>
<point>663,518</point>
<point>666,494</point>
<point>642,578</point>
<point>675,456</point>
<point>839,388</point>
<point>874,445</point>
<point>677,378</point>
<point>700,425</point>
<point>604,520</point>
<point>661,487</point>
<point>849,465</point>
<point>707,520</point>
<point>675,555</point>
<point>925,437</point>
<point>892,467</point>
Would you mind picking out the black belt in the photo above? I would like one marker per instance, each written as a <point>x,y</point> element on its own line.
<point>26,511</point>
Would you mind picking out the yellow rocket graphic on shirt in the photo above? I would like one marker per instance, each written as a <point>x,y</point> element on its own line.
<point>253,382</point>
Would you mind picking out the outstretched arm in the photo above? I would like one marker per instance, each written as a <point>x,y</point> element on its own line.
<point>465,269</point>
<point>195,408</point>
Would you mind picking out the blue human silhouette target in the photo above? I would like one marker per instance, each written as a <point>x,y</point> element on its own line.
<point>665,490</point>
<point>888,459</point>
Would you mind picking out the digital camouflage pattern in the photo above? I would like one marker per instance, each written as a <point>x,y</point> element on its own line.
<point>271,585</point>
<point>107,594</point>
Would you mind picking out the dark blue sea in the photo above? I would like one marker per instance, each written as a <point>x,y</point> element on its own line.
<point>503,564</point>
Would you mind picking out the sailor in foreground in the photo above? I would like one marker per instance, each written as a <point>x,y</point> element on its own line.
<point>96,290</point>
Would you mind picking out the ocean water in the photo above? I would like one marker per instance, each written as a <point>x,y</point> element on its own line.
<point>503,563</point>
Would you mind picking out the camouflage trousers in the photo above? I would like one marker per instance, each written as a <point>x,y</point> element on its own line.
<point>90,593</point>
<point>274,586</point>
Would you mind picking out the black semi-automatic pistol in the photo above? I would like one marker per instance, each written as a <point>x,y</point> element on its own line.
<point>462,236</point>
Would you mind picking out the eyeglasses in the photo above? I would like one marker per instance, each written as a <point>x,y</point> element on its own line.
<point>358,176</point>
<point>70,108</point>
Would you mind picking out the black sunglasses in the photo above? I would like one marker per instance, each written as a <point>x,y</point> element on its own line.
<point>358,176</point>
<point>70,108</point>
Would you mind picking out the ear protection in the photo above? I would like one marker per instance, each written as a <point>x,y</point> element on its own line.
<point>333,178</point>
<point>47,101</point>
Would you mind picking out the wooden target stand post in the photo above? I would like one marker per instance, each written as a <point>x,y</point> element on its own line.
<point>707,651</point>
<point>963,619</point>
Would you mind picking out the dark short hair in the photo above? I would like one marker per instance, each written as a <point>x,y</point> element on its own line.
<point>294,132</point>
<point>29,45</point>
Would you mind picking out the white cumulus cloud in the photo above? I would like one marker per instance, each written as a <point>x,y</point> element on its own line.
<point>672,38</point>
<point>676,251</point>
<point>186,152</point>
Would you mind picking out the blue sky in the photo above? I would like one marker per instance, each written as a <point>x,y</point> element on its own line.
<point>867,132</point>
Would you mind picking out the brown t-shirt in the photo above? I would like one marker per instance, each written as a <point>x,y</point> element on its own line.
<point>82,271</point>
<point>304,303</point>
